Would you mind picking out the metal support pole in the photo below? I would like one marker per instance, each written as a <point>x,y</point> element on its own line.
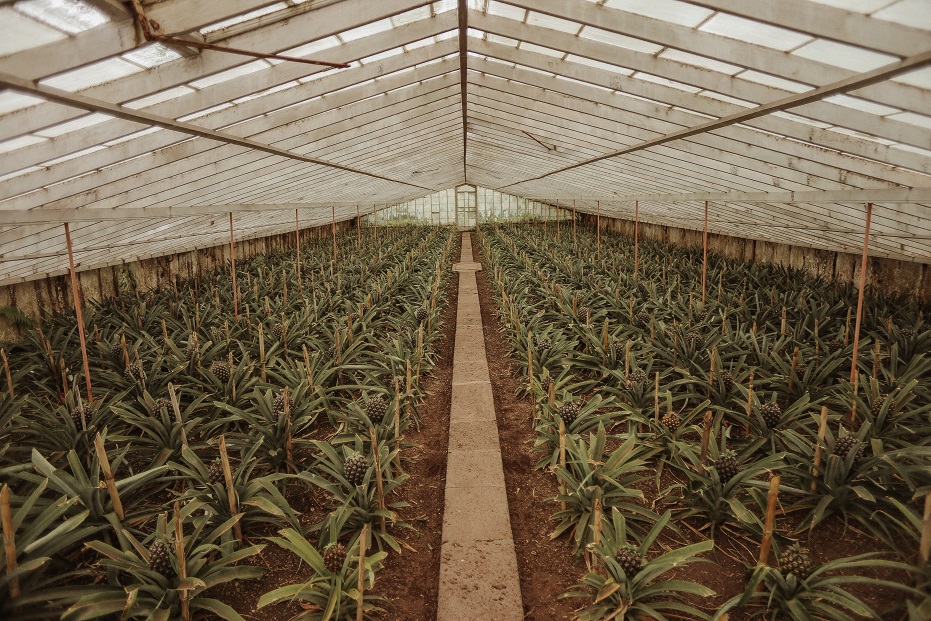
<point>575,239</point>
<point>704,262</point>
<point>233,268</point>
<point>598,226</point>
<point>80,315</point>
<point>297,247</point>
<point>358,227</point>
<point>856,330</point>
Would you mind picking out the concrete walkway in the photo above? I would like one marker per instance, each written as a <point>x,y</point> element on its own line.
<point>478,570</point>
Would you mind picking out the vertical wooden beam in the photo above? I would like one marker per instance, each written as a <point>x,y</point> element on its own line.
<point>333,228</point>
<point>297,248</point>
<point>575,239</point>
<point>598,226</point>
<point>9,541</point>
<point>704,261</point>
<point>359,227</point>
<point>233,268</point>
<point>636,239</point>
<point>856,330</point>
<point>80,315</point>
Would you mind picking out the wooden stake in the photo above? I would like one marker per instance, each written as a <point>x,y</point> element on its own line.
<point>794,367</point>
<point>230,489</point>
<point>333,228</point>
<point>397,422</point>
<point>856,330</point>
<point>182,562</point>
<point>9,541</point>
<point>360,605</point>
<point>704,263</point>
<point>562,456</point>
<point>636,239</point>
<point>656,396</point>
<point>297,249</point>
<point>378,480</point>
<point>770,520</point>
<point>262,351</point>
<point>108,477</point>
<point>80,316</point>
<point>819,446</point>
<point>924,547</point>
<point>233,270</point>
<point>705,439</point>
<point>6,370</point>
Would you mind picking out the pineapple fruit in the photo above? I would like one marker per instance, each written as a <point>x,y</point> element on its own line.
<point>376,407</point>
<point>354,468</point>
<point>630,560</point>
<point>727,466</point>
<point>334,556</point>
<point>568,412</point>
<point>795,560</point>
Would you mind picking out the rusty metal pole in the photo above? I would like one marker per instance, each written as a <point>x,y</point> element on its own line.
<point>333,228</point>
<point>636,238</point>
<point>704,261</point>
<point>80,315</point>
<point>856,330</point>
<point>233,268</point>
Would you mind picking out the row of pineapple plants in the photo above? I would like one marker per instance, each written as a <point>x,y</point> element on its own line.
<point>212,408</point>
<point>630,374</point>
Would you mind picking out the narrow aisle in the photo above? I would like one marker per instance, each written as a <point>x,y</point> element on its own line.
<point>478,566</point>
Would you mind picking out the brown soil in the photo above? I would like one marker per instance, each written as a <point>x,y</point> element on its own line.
<point>547,568</point>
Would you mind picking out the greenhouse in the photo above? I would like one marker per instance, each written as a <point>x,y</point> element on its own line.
<point>455,310</point>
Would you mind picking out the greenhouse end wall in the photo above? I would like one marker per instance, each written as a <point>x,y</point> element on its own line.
<point>886,275</point>
<point>51,295</point>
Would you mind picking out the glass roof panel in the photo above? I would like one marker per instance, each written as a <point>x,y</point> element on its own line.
<point>598,64</point>
<point>10,101</point>
<point>920,78</point>
<point>414,15</point>
<point>860,6</point>
<point>506,10</point>
<point>915,119</point>
<point>244,17</point>
<point>539,49</point>
<point>311,48</point>
<point>92,75</point>
<point>133,136</point>
<point>554,23</point>
<point>667,10</point>
<point>638,45</point>
<point>502,40</point>
<point>88,120</point>
<point>229,74</point>
<point>71,156</point>
<point>751,31</point>
<point>157,98</point>
<point>21,33</point>
<point>367,30</point>
<point>382,55</point>
<point>700,61</point>
<point>914,13</point>
<point>18,143</point>
<point>862,105</point>
<point>72,16</point>
<point>151,55</point>
<point>775,82</point>
<point>846,56</point>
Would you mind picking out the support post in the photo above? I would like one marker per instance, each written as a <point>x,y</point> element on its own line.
<point>856,330</point>
<point>9,542</point>
<point>297,249</point>
<point>233,269</point>
<point>80,315</point>
<point>704,261</point>
<point>182,563</point>
<point>636,239</point>
<point>598,226</point>
<point>359,227</point>
<point>575,239</point>
<point>333,228</point>
<point>360,605</point>
<point>769,520</point>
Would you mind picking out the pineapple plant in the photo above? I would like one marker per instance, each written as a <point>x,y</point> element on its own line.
<point>376,408</point>
<point>215,472</point>
<point>545,382</point>
<point>771,414</point>
<point>568,412</point>
<point>700,316</point>
<point>116,350</point>
<point>543,346</point>
<point>163,403</point>
<point>160,558</point>
<point>334,557</point>
<point>845,444</point>
<point>221,371</point>
<point>192,350</point>
<point>728,380</point>
<point>585,313</point>
<point>727,465</point>
<point>617,348</point>
<point>795,560</point>
<point>421,314</point>
<point>279,404</point>
<point>630,560</point>
<point>642,318</point>
<point>877,405</point>
<point>694,339</point>
<point>637,377</point>
<point>135,372</point>
<point>279,331</point>
<point>354,468</point>
<point>672,421</point>
<point>908,333</point>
